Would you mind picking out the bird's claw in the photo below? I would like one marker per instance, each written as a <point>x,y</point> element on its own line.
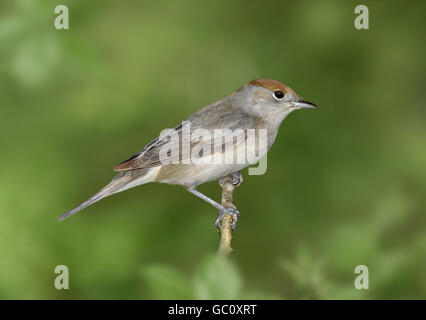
<point>237,178</point>
<point>231,211</point>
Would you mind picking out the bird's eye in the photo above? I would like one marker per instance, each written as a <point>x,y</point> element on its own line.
<point>278,94</point>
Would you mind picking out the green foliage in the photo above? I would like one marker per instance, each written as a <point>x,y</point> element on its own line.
<point>166,283</point>
<point>214,278</point>
<point>217,278</point>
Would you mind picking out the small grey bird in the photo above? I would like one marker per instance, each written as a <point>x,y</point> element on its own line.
<point>261,104</point>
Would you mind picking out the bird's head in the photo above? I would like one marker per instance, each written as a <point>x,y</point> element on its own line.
<point>267,96</point>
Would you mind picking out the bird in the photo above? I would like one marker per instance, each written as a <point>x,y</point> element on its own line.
<point>261,104</point>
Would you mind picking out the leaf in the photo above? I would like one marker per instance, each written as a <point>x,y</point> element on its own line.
<point>166,283</point>
<point>259,295</point>
<point>217,278</point>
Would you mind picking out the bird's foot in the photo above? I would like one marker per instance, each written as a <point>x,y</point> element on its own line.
<point>237,179</point>
<point>231,211</point>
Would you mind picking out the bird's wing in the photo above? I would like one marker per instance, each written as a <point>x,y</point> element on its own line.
<point>145,157</point>
<point>149,156</point>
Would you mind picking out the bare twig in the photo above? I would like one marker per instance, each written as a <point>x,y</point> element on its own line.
<point>228,185</point>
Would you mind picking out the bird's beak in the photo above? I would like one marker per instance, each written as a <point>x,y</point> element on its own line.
<point>303,104</point>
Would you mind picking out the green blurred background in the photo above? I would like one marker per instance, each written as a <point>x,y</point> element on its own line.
<point>345,184</point>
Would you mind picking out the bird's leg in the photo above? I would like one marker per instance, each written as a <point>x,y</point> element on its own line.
<point>222,209</point>
<point>205,198</point>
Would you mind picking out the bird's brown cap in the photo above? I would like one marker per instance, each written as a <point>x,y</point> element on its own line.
<point>272,85</point>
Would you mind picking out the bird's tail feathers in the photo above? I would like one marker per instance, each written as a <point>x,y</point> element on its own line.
<point>116,185</point>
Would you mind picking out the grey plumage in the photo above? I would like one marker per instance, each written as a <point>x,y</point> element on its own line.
<point>250,107</point>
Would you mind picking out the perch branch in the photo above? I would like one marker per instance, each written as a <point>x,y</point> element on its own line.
<point>228,185</point>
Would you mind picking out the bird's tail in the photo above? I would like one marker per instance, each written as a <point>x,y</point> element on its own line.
<point>119,183</point>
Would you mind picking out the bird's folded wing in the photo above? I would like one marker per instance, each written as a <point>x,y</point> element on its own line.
<point>149,156</point>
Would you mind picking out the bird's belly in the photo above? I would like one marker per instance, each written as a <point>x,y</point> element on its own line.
<point>191,175</point>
